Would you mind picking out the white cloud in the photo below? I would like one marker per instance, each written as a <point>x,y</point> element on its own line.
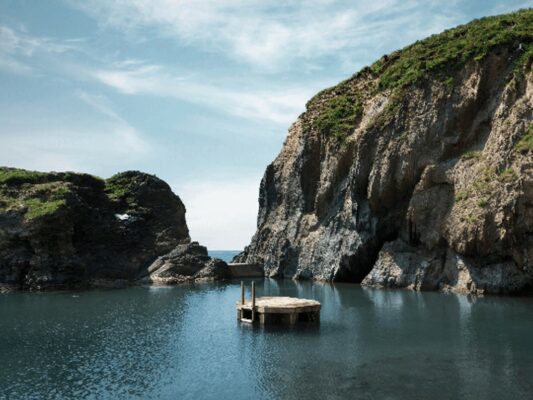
<point>17,46</point>
<point>280,106</point>
<point>278,35</point>
<point>130,138</point>
<point>74,149</point>
<point>95,145</point>
<point>221,214</point>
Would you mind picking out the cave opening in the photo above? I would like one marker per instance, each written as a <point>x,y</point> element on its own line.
<point>353,268</point>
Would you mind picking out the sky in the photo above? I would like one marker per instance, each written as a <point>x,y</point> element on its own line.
<point>198,92</point>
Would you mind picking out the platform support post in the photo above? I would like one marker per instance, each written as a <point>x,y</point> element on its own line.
<point>253,301</point>
<point>242,293</point>
<point>293,318</point>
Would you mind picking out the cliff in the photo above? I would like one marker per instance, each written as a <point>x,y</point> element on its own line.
<point>67,230</point>
<point>416,172</point>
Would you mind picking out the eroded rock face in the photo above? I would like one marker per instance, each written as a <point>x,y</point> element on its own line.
<point>64,230</point>
<point>187,262</point>
<point>402,266</point>
<point>427,185</point>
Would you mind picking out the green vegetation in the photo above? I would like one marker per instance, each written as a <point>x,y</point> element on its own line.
<point>37,194</point>
<point>483,202</point>
<point>441,54</point>
<point>472,219</point>
<point>472,155</point>
<point>116,192</point>
<point>37,200</point>
<point>482,184</point>
<point>523,61</point>
<point>461,195</point>
<point>339,116</point>
<point>526,142</point>
<point>449,84</point>
<point>117,189</point>
<point>394,104</point>
<point>12,176</point>
<point>39,208</point>
<point>508,175</point>
<point>437,57</point>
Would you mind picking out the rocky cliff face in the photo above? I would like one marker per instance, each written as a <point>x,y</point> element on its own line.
<point>63,230</point>
<point>416,172</point>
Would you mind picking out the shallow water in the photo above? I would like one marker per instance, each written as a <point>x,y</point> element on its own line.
<point>184,342</point>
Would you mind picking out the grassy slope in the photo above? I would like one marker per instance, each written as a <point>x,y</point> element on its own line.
<point>39,194</point>
<point>436,57</point>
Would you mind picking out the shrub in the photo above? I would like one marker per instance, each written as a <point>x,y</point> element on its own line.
<point>526,142</point>
<point>508,175</point>
<point>339,116</point>
<point>472,155</point>
<point>461,195</point>
<point>15,176</point>
<point>483,202</point>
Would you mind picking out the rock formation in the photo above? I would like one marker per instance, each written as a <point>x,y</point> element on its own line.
<point>187,262</point>
<point>416,172</point>
<point>65,230</point>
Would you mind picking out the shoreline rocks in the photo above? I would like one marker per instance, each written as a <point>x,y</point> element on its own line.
<point>186,263</point>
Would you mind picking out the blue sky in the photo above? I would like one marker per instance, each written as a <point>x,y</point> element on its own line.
<point>200,93</point>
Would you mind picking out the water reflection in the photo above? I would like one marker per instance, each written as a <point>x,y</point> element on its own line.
<point>185,342</point>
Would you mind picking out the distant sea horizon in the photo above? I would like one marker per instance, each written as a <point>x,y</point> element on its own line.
<point>226,255</point>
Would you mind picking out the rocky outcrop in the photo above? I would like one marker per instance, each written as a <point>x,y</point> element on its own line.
<point>65,230</point>
<point>416,172</point>
<point>187,262</point>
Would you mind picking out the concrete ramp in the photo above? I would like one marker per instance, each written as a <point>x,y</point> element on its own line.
<point>243,270</point>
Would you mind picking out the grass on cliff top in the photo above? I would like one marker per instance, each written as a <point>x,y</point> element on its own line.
<point>44,193</point>
<point>38,193</point>
<point>338,118</point>
<point>118,189</point>
<point>38,200</point>
<point>36,208</point>
<point>453,48</point>
<point>526,142</point>
<point>438,56</point>
<point>9,176</point>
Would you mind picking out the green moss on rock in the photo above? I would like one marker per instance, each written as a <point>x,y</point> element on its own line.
<point>526,142</point>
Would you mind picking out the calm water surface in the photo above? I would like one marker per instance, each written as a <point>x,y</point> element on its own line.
<point>226,255</point>
<point>184,343</point>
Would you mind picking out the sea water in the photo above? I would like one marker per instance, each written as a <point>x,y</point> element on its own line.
<point>184,342</point>
<point>226,255</point>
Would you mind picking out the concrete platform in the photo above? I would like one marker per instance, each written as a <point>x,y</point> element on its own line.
<point>243,270</point>
<point>278,310</point>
